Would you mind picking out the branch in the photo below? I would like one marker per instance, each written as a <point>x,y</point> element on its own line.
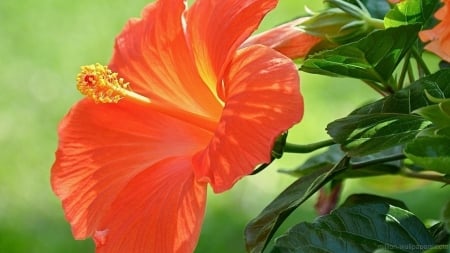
<point>308,148</point>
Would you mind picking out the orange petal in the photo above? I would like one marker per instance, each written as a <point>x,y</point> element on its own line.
<point>103,146</point>
<point>440,48</point>
<point>216,28</point>
<point>160,210</point>
<point>442,13</point>
<point>262,99</point>
<point>286,39</point>
<point>438,37</point>
<point>152,54</point>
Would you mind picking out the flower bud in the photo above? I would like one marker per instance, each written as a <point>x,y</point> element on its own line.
<point>341,24</point>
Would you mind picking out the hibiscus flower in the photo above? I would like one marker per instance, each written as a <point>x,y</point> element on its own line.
<point>438,38</point>
<point>179,106</point>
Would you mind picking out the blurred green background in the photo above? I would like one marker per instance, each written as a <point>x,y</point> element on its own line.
<point>43,44</point>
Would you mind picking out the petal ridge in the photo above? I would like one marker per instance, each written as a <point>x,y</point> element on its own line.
<point>262,100</point>
<point>89,164</point>
<point>152,54</point>
<point>217,28</point>
<point>160,210</point>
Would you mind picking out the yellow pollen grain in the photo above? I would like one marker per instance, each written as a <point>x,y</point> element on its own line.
<point>102,85</point>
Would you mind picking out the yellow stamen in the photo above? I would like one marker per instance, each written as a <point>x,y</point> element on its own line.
<point>104,86</point>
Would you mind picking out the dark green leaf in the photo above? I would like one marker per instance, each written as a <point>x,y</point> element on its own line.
<point>373,169</point>
<point>439,233</point>
<point>374,57</point>
<point>366,134</point>
<point>411,12</point>
<point>430,152</point>
<point>438,113</point>
<point>334,153</point>
<point>326,159</point>
<point>445,216</point>
<point>261,229</point>
<point>435,114</point>
<point>445,107</point>
<point>444,65</point>
<point>413,97</point>
<point>441,236</point>
<point>444,132</point>
<point>366,199</point>
<point>359,226</point>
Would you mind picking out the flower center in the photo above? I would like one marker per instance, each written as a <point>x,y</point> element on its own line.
<point>104,86</point>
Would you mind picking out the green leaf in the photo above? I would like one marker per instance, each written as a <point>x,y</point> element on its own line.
<point>431,153</point>
<point>439,233</point>
<point>359,226</point>
<point>445,107</point>
<point>326,159</point>
<point>438,113</point>
<point>435,114</point>
<point>261,229</point>
<point>374,57</point>
<point>411,12</point>
<point>333,155</point>
<point>444,131</point>
<point>412,97</point>
<point>445,216</point>
<point>366,134</point>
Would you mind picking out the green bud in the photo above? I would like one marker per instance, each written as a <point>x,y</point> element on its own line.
<point>343,23</point>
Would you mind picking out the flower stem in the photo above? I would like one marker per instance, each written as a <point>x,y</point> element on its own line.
<point>422,65</point>
<point>380,89</point>
<point>296,148</point>
<point>376,23</point>
<point>425,176</point>
<point>406,66</point>
<point>410,74</point>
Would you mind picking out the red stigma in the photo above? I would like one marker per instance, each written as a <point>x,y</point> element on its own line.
<point>89,80</point>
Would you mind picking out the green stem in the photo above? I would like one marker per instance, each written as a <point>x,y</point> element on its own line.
<point>406,65</point>
<point>430,177</point>
<point>375,23</point>
<point>381,90</point>
<point>308,148</point>
<point>422,65</point>
<point>410,174</point>
<point>360,165</point>
<point>295,148</point>
<point>410,74</point>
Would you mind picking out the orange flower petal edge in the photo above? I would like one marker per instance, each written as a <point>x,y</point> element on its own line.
<point>216,29</point>
<point>135,157</point>
<point>104,147</point>
<point>286,39</point>
<point>438,38</point>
